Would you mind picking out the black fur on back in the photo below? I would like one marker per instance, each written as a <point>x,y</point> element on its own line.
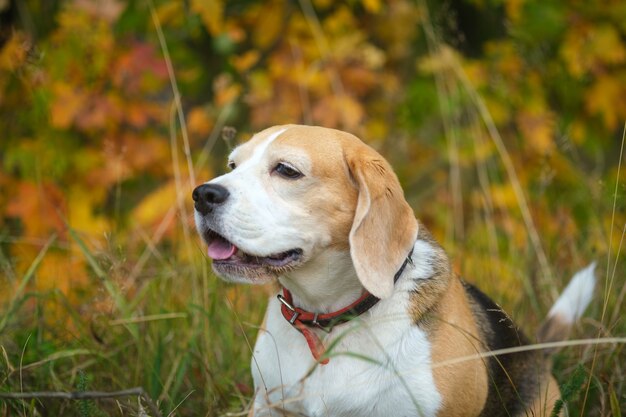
<point>513,378</point>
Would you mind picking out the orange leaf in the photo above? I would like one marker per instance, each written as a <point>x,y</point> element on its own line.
<point>338,111</point>
<point>244,62</point>
<point>13,52</point>
<point>40,207</point>
<point>538,130</point>
<point>198,122</point>
<point>68,102</point>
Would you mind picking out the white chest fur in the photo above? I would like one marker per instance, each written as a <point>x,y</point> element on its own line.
<point>380,365</point>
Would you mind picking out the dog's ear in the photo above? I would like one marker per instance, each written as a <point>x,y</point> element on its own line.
<point>384,228</point>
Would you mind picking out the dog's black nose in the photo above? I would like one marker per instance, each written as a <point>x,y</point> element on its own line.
<point>207,196</point>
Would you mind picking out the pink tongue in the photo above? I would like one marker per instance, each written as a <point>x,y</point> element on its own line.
<point>221,249</point>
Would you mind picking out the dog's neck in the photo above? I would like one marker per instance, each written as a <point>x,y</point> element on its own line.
<point>325,283</point>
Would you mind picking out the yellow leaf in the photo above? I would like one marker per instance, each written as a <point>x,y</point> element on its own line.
<point>503,196</point>
<point>244,62</point>
<point>372,6</point>
<point>340,23</point>
<point>171,12</point>
<point>377,129</point>
<point>155,205</point>
<point>488,270</point>
<point>268,24</point>
<point>578,131</point>
<point>514,9</point>
<point>82,203</point>
<point>476,73</point>
<point>585,48</point>
<point>572,52</point>
<point>211,13</point>
<point>607,98</point>
<point>608,46</point>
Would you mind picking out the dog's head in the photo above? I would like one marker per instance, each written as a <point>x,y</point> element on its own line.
<point>294,192</point>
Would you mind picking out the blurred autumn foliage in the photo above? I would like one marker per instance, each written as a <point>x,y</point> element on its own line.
<point>88,113</point>
<point>502,118</point>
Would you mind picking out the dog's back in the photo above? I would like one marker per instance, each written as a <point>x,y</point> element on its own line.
<point>520,382</point>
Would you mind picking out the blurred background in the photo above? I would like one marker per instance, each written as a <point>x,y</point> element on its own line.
<point>503,119</point>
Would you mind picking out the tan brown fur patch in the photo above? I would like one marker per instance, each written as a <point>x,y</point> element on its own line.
<point>463,386</point>
<point>359,199</point>
<point>331,195</point>
<point>439,305</point>
<point>549,393</point>
<point>335,199</point>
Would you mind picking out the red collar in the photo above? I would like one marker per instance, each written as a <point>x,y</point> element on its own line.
<point>303,320</point>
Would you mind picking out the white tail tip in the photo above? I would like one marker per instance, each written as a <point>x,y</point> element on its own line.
<point>572,303</point>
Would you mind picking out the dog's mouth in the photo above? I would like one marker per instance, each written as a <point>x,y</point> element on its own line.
<point>223,252</point>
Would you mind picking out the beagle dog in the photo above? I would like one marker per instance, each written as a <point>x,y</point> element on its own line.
<point>370,320</point>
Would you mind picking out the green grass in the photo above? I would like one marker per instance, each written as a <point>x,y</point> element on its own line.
<point>175,335</point>
<point>181,334</point>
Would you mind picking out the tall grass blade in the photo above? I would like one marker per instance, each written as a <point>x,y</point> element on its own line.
<point>608,282</point>
<point>615,407</point>
<point>109,285</point>
<point>24,282</point>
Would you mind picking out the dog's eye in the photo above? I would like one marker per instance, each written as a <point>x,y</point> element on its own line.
<point>287,171</point>
<point>231,165</point>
